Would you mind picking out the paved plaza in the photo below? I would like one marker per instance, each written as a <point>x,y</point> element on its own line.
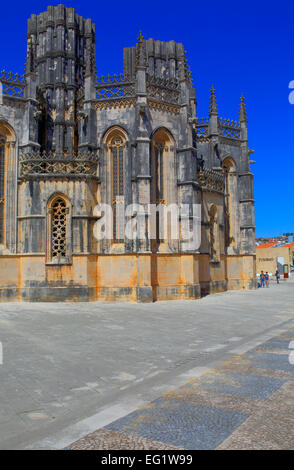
<point>204,374</point>
<point>247,403</point>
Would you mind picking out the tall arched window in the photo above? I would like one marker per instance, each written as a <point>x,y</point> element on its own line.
<point>117,188</point>
<point>58,230</point>
<point>161,156</point>
<point>162,181</point>
<point>115,141</point>
<point>8,172</point>
<point>231,206</point>
<point>2,187</point>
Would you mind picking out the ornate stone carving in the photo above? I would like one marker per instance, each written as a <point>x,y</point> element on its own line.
<point>50,165</point>
<point>116,86</point>
<point>168,108</point>
<point>13,84</point>
<point>202,127</point>
<point>163,89</point>
<point>211,180</point>
<point>115,103</point>
<point>228,128</point>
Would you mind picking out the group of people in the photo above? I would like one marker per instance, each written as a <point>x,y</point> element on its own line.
<point>264,278</point>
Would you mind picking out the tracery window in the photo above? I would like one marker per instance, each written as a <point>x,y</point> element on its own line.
<point>117,188</point>
<point>2,187</point>
<point>115,140</point>
<point>58,231</point>
<point>162,180</point>
<point>8,170</point>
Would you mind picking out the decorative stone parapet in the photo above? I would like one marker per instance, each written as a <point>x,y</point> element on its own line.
<point>48,164</point>
<point>12,84</point>
<point>115,86</point>
<point>163,89</point>
<point>226,128</point>
<point>229,128</point>
<point>202,127</point>
<point>211,180</point>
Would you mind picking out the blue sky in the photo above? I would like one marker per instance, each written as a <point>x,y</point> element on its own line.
<point>239,47</point>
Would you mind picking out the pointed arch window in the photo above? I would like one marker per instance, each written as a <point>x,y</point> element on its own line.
<point>58,231</point>
<point>230,207</point>
<point>8,172</point>
<point>116,140</point>
<point>2,188</point>
<point>117,189</point>
<point>162,184</point>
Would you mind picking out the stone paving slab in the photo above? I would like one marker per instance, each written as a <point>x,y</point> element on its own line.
<point>65,365</point>
<point>249,408</point>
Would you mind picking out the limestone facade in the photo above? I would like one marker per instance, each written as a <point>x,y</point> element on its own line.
<point>71,141</point>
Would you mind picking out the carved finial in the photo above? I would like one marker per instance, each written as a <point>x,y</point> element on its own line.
<point>242,112</point>
<point>140,37</point>
<point>188,73</point>
<point>212,102</point>
<point>141,56</point>
<point>30,59</point>
<point>90,61</point>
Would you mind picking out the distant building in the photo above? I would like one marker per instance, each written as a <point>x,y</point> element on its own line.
<point>273,255</point>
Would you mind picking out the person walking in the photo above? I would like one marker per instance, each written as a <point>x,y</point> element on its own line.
<point>267,279</point>
<point>262,279</point>
<point>277,276</point>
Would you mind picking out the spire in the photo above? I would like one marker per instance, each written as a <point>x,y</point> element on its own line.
<point>30,62</point>
<point>141,58</point>
<point>188,74</point>
<point>140,37</point>
<point>212,102</point>
<point>242,112</point>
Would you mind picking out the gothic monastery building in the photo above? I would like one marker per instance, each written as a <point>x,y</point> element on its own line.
<point>72,143</point>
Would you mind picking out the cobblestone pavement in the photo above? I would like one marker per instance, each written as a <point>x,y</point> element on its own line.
<point>72,368</point>
<point>246,403</point>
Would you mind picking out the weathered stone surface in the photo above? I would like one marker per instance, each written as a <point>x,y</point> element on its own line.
<point>60,128</point>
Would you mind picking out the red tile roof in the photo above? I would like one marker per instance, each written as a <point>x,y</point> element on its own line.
<point>290,244</point>
<point>267,245</point>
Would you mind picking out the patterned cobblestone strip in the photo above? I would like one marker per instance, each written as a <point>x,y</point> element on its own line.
<point>271,428</point>
<point>108,439</point>
<point>243,404</point>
